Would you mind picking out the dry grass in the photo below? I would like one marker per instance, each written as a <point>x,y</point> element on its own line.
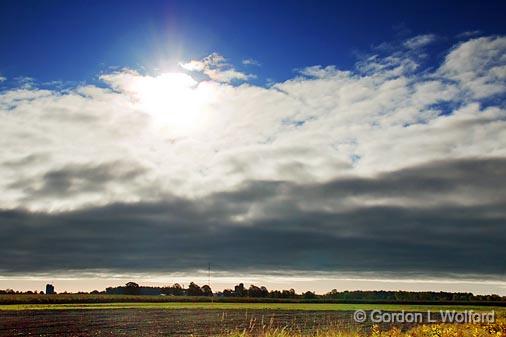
<point>497,329</point>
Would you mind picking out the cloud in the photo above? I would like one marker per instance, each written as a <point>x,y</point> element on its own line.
<point>217,69</point>
<point>478,66</point>
<point>74,180</point>
<point>470,33</point>
<point>419,41</point>
<point>283,226</point>
<point>384,166</point>
<point>250,62</point>
<point>25,81</point>
<point>322,72</point>
<point>2,78</point>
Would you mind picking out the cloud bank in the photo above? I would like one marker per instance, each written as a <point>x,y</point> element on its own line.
<point>391,166</point>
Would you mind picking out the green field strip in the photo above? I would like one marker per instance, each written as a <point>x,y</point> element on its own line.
<point>246,306</point>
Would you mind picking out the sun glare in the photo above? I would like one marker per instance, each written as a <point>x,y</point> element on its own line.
<point>174,100</point>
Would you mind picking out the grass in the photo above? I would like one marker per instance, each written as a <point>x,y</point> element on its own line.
<point>248,306</point>
<point>109,298</point>
<point>496,329</point>
<point>346,329</point>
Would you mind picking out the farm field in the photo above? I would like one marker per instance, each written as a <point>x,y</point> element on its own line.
<point>177,322</point>
<point>242,306</point>
<point>194,319</point>
<point>159,322</point>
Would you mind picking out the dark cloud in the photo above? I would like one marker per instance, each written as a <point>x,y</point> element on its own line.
<point>77,179</point>
<point>28,160</point>
<point>454,221</point>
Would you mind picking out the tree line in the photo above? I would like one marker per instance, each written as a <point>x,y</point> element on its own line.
<point>132,288</point>
<point>254,291</point>
<point>262,293</point>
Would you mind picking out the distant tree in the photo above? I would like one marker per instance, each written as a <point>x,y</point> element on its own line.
<point>239,290</point>
<point>206,290</point>
<point>275,294</point>
<point>194,290</point>
<point>265,292</point>
<point>308,295</point>
<point>177,290</point>
<point>228,293</point>
<point>332,294</point>
<point>132,288</point>
<point>254,291</point>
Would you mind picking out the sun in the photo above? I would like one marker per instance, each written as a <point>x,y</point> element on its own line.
<point>174,100</point>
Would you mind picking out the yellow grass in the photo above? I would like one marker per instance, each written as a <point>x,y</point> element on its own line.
<point>497,329</point>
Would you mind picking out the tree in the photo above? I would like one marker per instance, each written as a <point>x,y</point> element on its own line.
<point>228,293</point>
<point>177,290</point>
<point>239,290</point>
<point>206,290</point>
<point>254,291</point>
<point>309,295</point>
<point>194,290</point>
<point>132,288</point>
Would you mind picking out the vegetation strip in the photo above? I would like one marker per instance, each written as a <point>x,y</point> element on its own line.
<point>245,306</point>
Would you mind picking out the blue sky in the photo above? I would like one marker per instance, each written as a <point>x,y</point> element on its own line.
<point>75,41</point>
<point>336,145</point>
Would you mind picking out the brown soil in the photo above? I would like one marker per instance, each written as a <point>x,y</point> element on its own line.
<point>159,322</point>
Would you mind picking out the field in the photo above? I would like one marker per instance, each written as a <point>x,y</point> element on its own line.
<point>239,306</point>
<point>204,319</point>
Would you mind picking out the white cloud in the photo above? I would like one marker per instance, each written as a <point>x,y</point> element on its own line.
<point>478,66</point>
<point>227,75</point>
<point>217,69</point>
<point>470,33</point>
<point>2,78</point>
<point>394,65</point>
<point>322,124</point>
<point>419,41</point>
<point>25,81</point>
<point>213,60</point>
<point>323,72</point>
<point>250,62</point>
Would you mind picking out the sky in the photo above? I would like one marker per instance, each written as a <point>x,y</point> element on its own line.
<point>341,145</point>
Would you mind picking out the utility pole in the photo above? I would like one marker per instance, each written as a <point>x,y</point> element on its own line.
<point>209,280</point>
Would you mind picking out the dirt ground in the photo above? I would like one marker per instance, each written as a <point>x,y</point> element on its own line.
<point>155,322</point>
